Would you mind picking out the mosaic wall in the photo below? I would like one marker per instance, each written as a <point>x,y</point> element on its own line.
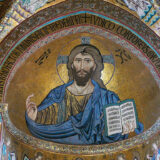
<point>149,12</point>
<point>112,57</point>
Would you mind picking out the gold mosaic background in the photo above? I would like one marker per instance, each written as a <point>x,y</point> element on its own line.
<point>131,79</point>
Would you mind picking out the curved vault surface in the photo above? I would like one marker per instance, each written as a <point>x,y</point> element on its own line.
<point>36,47</point>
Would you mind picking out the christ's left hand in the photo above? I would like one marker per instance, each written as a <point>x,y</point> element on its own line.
<point>128,127</point>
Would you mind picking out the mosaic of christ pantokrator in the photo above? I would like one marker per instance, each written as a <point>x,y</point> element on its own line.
<point>73,113</point>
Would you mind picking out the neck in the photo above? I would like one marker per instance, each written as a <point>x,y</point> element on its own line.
<point>81,90</point>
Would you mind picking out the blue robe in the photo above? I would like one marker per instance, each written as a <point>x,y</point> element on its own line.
<point>87,127</point>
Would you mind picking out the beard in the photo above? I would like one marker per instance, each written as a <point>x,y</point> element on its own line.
<point>82,76</point>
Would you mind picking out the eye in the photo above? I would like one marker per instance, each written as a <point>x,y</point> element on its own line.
<point>88,60</point>
<point>78,60</point>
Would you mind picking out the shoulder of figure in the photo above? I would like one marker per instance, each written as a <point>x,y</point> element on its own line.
<point>57,90</point>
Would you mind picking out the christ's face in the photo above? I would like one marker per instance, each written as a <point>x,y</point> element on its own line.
<point>83,66</point>
<point>82,63</point>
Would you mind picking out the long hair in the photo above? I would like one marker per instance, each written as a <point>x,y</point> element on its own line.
<point>95,53</point>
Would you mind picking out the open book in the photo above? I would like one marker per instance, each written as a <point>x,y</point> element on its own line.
<point>117,114</point>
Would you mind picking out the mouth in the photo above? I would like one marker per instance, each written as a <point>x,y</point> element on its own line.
<point>81,73</point>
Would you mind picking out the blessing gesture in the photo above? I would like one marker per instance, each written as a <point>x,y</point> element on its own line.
<point>31,108</point>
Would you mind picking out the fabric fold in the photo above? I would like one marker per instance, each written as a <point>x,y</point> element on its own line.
<point>86,127</point>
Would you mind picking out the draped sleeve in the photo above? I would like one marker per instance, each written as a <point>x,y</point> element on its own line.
<point>48,115</point>
<point>86,127</point>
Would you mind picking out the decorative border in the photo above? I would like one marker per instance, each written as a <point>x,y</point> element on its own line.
<point>71,14</point>
<point>20,11</point>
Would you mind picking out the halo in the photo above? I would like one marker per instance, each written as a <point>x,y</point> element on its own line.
<point>63,59</point>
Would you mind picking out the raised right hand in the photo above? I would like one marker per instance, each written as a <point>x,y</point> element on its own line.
<point>31,108</point>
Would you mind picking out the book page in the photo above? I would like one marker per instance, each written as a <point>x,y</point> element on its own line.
<point>113,120</point>
<point>128,113</point>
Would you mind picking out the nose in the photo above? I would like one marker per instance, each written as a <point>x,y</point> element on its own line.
<point>82,64</point>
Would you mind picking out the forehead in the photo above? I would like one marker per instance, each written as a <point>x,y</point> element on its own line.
<point>83,56</point>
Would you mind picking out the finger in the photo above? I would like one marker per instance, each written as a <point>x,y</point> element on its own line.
<point>130,127</point>
<point>28,98</point>
<point>124,129</point>
<point>133,126</point>
<point>124,132</point>
<point>31,110</point>
<point>31,104</point>
<point>128,124</point>
<point>127,129</point>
